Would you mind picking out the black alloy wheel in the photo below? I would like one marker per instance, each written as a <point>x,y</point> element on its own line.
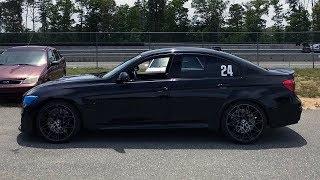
<point>58,122</point>
<point>244,122</point>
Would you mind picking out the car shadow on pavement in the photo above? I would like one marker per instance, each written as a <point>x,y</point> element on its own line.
<point>120,140</point>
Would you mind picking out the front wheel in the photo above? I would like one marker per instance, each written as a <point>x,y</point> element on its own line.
<point>244,122</point>
<point>58,122</point>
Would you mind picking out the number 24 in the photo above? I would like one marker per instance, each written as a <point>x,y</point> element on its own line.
<point>226,70</point>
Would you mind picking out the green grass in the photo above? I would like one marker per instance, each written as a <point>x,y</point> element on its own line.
<point>85,70</point>
<point>307,80</point>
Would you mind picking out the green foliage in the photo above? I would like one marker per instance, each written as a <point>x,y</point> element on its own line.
<point>255,9</point>
<point>66,9</point>
<point>156,13</point>
<point>44,10</point>
<point>99,14</point>
<point>298,21</point>
<point>209,14</point>
<point>11,15</point>
<point>236,20</point>
<point>278,20</point>
<point>162,16</point>
<point>176,17</point>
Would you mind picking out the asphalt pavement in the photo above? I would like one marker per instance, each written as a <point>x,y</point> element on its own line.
<point>286,153</point>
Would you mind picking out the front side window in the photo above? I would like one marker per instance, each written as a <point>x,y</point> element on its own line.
<point>156,65</point>
<point>56,55</point>
<point>51,56</point>
<point>23,57</point>
<point>151,69</point>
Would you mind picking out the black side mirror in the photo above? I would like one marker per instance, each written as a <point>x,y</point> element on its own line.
<point>54,63</point>
<point>123,77</point>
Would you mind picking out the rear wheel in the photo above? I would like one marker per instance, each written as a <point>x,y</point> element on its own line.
<point>244,122</point>
<point>58,122</point>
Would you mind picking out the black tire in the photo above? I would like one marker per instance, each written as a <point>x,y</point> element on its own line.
<point>244,122</point>
<point>58,122</point>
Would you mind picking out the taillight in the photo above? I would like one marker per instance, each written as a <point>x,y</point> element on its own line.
<point>289,84</point>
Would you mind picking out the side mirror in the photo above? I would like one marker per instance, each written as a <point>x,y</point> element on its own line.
<point>54,63</point>
<point>123,77</point>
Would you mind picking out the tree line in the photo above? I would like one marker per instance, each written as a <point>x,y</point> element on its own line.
<point>159,16</point>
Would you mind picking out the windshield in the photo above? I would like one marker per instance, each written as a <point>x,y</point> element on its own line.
<point>34,58</point>
<point>120,67</point>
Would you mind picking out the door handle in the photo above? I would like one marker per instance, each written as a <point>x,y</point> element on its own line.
<point>164,89</point>
<point>222,85</point>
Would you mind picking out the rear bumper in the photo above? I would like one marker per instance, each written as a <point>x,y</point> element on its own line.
<point>285,113</point>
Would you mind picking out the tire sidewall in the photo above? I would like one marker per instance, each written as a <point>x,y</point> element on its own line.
<point>224,122</point>
<point>53,103</point>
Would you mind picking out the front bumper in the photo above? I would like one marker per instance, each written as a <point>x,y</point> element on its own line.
<point>27,121</point>
<point>14,91</point>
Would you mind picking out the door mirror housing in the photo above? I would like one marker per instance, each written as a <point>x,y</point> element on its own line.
<point>123,77</point>
<point>54,63</point>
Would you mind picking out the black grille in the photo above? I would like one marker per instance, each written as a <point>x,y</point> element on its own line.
<point>10,82</point>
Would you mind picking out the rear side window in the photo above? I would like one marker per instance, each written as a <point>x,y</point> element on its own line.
<point>192,66</point>
<point>200,66</point>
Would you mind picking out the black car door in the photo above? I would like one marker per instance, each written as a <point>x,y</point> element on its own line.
<point>143,100</point>
<point>200,87</point>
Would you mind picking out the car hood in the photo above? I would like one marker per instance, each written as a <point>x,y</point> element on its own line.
<point>19,71</point>
<point>65,82</point>
<point>77,78</point>
<point>72,79</point>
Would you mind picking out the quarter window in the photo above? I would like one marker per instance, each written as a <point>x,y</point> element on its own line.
<point>220,67</point>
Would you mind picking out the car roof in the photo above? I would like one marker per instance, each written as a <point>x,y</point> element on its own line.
<point>43,48</point>
<point>178,50</point>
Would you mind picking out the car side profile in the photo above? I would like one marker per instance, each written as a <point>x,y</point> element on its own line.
<point>24,67</point>
<point>199,88</point>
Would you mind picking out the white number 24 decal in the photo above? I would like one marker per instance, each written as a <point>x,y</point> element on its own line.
<point>226,70</point>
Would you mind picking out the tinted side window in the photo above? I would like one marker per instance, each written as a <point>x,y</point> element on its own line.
<point>56,54</point>
<point>220,67</point>
<point>51,56</point>
<point>192,66</point>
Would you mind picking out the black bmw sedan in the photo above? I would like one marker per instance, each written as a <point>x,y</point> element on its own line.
<point>166,88</point>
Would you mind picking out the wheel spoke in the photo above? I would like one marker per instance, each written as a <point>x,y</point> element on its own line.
<point>57,123</point>
<point>244,122</point>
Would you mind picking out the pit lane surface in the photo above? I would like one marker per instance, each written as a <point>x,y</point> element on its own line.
<point>289,152</point>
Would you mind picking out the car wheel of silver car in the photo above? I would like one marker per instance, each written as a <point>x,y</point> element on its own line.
<point>58,122</point>
<point>244,122</point>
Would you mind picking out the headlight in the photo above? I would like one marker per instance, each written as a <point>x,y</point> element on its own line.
<point>30,80</point>
<point>29,100</point>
